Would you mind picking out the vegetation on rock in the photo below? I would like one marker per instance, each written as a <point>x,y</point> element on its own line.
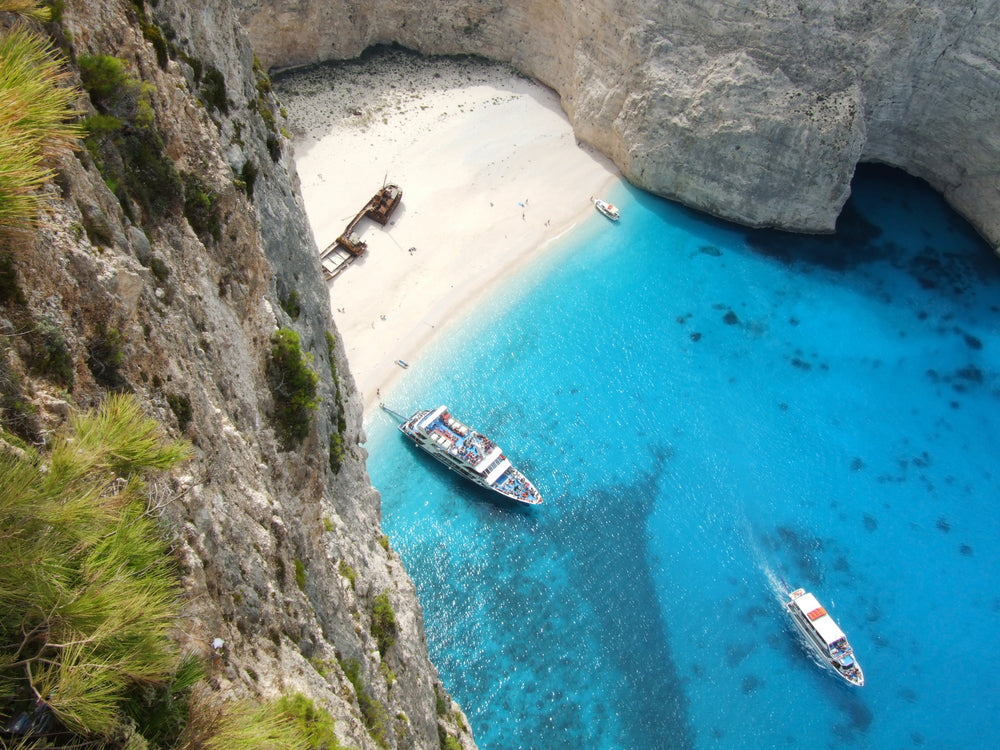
<point>180,405</point>
<point>314,723</point>
<point>248,178</point>
<point>213,87</point>
<point>87,593</point>
<point>293,385</point>
<point>27,9</point>
<point>383,623</point>
<point>105,358</point>
<point>36,104</point>
<point>241,725</point>
<point>124,141</point>
<point>300,574</point>
<point>18,416</point>
<point>291,305</point>
<point>201,209</point>
<point>51,355</point>
<point>89,597</point>
<point>10,290</point>
<point>336,436</point>
<point>347,572</point>
<point>373,713</point>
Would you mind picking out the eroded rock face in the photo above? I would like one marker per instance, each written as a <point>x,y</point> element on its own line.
<point>753,111</point>
<point>279,547</point>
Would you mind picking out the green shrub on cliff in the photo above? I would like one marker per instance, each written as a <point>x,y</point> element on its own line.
<point>290,304</point>
<point>373,713</point>
<point>201,209</point>
<point>314,723</point>
<point>337,450</point>
<point>10,290</point>
<point>240,725</point>
<point>383,623</point>
<point>248,178</point>
<point>19,423</point>
<point>300,574</point>
<point>180,405</point>
<point>293,385</point>
<point>89,599</point>
<point>154,35</point>
<point>36,104</point>
<point>213,88</point>
<point>345,569</point>
<point>160,712</point>
<point>123,138</point>
<point>105,358</point>
<point>87,594</point>
<point>27,8</point>
<point>104,77</point>
<point>50,354</point>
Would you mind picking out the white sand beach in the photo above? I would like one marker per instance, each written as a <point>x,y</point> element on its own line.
<point>490,171</point>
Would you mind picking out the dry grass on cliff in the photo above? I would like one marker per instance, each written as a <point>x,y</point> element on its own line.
<point>89,599</point>
<point>27,9</point>
<point>36,107</point>
<point>88,596</point>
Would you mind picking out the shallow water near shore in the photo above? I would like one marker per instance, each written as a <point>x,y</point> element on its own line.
<point>712,413</point>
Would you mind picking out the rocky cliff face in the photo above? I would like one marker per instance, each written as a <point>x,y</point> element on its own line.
<point>167,275</point>
<point>753,111</point>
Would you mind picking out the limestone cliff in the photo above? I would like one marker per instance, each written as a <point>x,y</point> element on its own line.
<point>170,251</point>
<point>754,111</point>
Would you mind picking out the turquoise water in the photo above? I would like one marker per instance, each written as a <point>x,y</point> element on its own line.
<point>711,413</point>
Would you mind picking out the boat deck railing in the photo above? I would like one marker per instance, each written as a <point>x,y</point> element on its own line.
<point>515,484</point>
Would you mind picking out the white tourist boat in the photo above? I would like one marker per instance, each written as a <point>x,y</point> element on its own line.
<point>824,635</point>
<point>471,454</point>
<point>608,209</point>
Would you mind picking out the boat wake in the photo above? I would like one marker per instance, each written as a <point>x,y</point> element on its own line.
<point>775,583</point>
<point>779,590</point>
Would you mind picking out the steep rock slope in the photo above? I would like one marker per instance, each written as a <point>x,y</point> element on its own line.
<point>167,257</point>
<point>754,111</point>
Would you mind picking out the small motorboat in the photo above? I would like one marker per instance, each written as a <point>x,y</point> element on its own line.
<point>608,209</point>
<point>402,364</point>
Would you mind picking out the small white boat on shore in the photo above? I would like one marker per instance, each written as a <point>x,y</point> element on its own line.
<point>608,209</point>
<point>467,452</point>
<point>824,636</point>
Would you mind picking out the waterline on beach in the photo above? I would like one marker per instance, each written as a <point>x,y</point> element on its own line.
<point>490,172</point>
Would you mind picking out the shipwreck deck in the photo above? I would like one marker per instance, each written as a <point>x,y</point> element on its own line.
<point>349,246</point>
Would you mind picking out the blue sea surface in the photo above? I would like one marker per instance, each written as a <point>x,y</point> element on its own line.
<point>715,415</point>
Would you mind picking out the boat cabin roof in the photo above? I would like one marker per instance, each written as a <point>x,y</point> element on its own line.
<point>828,630</point>
<point>477,451</point>
<point>431,416</point>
